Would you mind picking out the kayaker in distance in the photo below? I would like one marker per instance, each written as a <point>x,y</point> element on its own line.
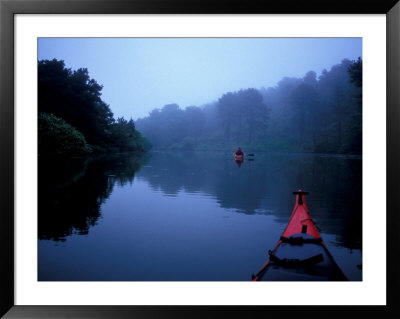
<point>239,152</point>
<point>239,157</point>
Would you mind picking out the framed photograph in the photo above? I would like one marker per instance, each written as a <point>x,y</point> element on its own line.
<point>96,225</point>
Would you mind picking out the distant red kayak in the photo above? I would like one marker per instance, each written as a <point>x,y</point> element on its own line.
<point>300,254</point>
<point>238,157</point>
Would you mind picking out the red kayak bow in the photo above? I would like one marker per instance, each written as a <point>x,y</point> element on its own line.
<point>300,254</point>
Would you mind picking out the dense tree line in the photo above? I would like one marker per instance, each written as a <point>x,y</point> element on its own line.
<point>320,115</point>
<point>74,120</point>
<point>310,114</point>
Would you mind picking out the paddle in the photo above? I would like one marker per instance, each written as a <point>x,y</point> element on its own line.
<point>250,154</point>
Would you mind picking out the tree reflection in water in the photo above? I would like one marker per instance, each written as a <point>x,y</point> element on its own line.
<point>72,191</point>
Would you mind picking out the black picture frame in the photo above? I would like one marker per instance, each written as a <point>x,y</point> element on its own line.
<point>8,8</point>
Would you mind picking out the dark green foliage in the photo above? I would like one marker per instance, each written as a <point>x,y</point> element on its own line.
<point>123,131</point>
<point>57,137</point>
<point>73,96</point>
<point>76,98</point>
<point>127,138</point>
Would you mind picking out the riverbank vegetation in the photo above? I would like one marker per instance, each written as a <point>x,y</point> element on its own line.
<point>73,120</point>
<point>311,114</point>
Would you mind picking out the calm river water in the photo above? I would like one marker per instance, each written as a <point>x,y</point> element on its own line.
<point>189,216</point>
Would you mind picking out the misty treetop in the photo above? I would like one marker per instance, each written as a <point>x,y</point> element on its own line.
<point>243,116</point>
<point>74,120</point>
<point>355,71</point>
<point>310,114</point>
<point>313,114</point>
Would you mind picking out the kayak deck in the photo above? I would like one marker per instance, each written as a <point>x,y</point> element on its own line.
<point>300,254</point>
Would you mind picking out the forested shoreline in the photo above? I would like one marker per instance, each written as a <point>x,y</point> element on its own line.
<point>310,114</point>
<point>73,120</point>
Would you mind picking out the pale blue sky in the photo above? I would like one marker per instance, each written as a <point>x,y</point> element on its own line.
<point>140,74</point>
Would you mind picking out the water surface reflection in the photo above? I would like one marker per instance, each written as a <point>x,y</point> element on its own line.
<point>203,215</point>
